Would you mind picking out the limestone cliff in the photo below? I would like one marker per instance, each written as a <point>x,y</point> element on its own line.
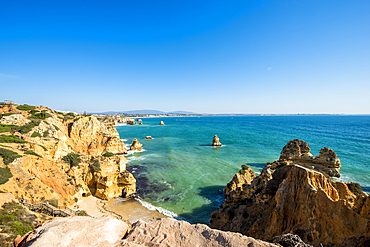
<point>58,156</point>
<point>295,195</point>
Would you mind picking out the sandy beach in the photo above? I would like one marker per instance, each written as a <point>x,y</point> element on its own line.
<point>129,210</point>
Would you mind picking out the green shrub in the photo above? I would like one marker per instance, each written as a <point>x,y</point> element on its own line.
<point>25,107</point>
<point>14,220</point>
<point>8,155</point>
<point>56,127</point>
<point>72,159</point>
<point>108,154</point>
<point>6,114</point>
<point>45,134</point>
<point>28,127</point>
<point>5,174</point>
<point>43,147</point>
<point>35,134</point>
<point>40,115</point>
<point>7,128</point>
<point>242,172</point>
<point>96,165</point>
<point>54,202</point>
<point>60,118</point>
<point>11,139</point>
<point>74,120</point>
<point>32,153</point>
<point>82,213</point>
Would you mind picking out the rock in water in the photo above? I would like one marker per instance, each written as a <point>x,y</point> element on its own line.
<point>136,145</point>
<point>148,137</point>
<point>295,194</point>
<point>216,141</point>
<point>161,123</point>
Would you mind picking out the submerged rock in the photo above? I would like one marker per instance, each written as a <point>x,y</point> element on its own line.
<point>136,145</point>
<point>216,141</point>
<point>295,195</point>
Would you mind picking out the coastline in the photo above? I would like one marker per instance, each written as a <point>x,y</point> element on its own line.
<point>127,210</point>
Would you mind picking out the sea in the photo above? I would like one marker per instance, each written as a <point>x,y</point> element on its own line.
<point>180,174</point>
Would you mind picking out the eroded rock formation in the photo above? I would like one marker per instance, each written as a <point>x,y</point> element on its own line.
<point>136,145</point>
<point>161,123</point>
<point>84,231</point>
<point>39,170</point>
<point>292,195</point>
<point>216,141</point>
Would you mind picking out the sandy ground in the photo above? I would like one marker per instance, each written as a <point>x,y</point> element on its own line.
<point>129,211</point>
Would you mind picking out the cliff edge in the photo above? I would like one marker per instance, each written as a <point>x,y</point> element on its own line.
<point>296,194</point>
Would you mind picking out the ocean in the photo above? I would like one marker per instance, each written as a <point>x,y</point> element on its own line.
<point>179,173</point>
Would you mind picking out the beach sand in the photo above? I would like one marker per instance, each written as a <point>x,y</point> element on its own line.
<point>129,210</point>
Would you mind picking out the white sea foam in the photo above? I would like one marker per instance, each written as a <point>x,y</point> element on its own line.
<point>129,152</point>
<point>124,140</point>
<point>159,209</point>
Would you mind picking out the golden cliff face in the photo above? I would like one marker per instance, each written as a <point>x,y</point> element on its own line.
<point>42,172</point>
<point>92,137</point>
<point>290,197</point>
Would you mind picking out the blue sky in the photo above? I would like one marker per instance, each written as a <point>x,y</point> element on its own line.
<point>200,56</point>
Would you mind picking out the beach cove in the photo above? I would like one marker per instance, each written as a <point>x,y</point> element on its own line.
<point>179,173</point>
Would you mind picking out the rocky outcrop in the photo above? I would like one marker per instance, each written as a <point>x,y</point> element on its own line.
<point>92,137</point>
<point>299,151</point>
<point>131,121</point>
<point>289,196</point>
<point>216,141</point>
<point>161,123</point>
<point>75,231</point>
<point>84,231</point>
<point>148,137</point>
<point>42,174</point>
<point>136,145</point>
<point>15,119</point>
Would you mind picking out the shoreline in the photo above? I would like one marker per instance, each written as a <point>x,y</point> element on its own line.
<point>127,210</point>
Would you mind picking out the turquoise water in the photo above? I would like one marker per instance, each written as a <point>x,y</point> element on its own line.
<point>180,172</point>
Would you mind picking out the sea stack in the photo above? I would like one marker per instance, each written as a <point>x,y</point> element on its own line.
<point>161,123</point>
<point>216,141</point>
<point>148,137</point>
<point>136,145</point>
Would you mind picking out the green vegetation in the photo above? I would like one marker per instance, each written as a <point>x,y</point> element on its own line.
<point>5,174</point>
<point>40,115</point>
<point>35,134</point>
<point>32,153</point>
<point>8,155</point>
<point>74,120</point>
<point>82,213</point>
<point>45,134</point>
<point>11,139</point>
<point>14,220</point>
<point>73,159</point>
<point>60,118</point>
<point>45,122</point>
<point>96,165</point>
<point>56,127</point>
<point>43,147</point>
<point>6,114</point>
<point>54,202</point>
<point>108,154</point>
<point>25,107</point>
<point>7,128</point>
<point>28,127</point>
<point>242,172</point>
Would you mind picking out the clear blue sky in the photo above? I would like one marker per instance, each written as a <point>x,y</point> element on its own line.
<point>203,56</point>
